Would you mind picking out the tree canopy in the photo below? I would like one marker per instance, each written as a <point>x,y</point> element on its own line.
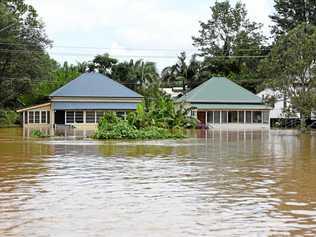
<point>231,44</point>
<point>291,67</point>
<point>23,58</point>
<point>290,13</point>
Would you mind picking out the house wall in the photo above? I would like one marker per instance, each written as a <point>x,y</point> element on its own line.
<point>237,126</point>
<point>88,119</point>
<point>37,117</point>
<point>243,119</point>
<point>90,125</point>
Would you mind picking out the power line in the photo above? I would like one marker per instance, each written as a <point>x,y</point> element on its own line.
<point>21,51</point>
<point>124,48</point>
<point>103,48</point>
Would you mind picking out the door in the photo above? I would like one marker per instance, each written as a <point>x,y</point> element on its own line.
<point>60,117</point>
<point>201,117</point>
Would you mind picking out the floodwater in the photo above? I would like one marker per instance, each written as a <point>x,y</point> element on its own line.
<point>216,183</point>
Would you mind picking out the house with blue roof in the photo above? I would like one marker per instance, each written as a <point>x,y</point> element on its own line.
<point>82,102</point>
<point>221,103</point>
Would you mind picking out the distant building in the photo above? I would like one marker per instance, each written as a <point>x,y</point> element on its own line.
<point>221,103</point>
<point>173,92</point>
<point>280,104</point>
<point>81,103</point>
<point>282,108</point>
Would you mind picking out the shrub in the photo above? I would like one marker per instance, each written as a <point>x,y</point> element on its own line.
<point>38,133</point>
<point>157,118</point>
<point>8,118</point>
<point>112,127</point>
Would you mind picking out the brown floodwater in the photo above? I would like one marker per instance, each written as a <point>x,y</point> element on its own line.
<point>215,183</point>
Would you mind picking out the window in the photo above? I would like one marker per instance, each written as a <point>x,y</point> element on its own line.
<point>99,115</point>
<point>70,117</point>
<point>31,117</point>
<point>25,117</point>
<point>90,117</point>
<point>210,117</point>
<point>248,117</point>
<point>257,117</point>
<point>37,117</point>
<point>43,117</point>
<point>217,117</point>
<point>79,116</point>
<point>232,116</point>
<point>241,117</point>
<point>48,117</point>
<point>224,116</point>
<point>266,116</point>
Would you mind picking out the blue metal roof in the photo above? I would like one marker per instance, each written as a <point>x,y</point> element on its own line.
<point>93,84</point>
<point>93,106</point>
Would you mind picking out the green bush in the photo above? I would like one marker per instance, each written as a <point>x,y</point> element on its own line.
<point>157,118</point>
<point>38,133</point>
<point>8,118</point>
<point>112,127</point>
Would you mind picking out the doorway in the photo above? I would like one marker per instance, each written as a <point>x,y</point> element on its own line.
<point>60,117</point>
<point>201,117</point>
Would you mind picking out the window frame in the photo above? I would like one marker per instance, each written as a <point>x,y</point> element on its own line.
<point>67,118</point>
<point>246,118</point>
<point>217,120</point>
<point>254,119</point>
<point>225,113</point>
<point>243,117</point>
<point>210,117</point>
<point>43,118</point>
<point>230,116</point>
<point>31,117</point>
<point>37,120</point>
<point>88,121</point>
<point>81,116</point>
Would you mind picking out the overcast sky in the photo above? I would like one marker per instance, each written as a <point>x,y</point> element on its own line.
<point>156,30</point>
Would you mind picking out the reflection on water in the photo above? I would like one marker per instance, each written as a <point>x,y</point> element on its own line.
<point>216,183</point>
<point>63,131</point>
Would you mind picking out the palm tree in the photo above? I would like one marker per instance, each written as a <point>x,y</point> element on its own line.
<point>182,74</point>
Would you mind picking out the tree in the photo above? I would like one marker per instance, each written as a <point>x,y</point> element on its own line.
<point>182,74</point>
<point>227,28</point>
<point>134,74</point>
<point>231,44</point>
<point>291,68</point>
<point>104,63</point>
<point>290,13</point>
<point>22,59</point>
<point>40,90</point>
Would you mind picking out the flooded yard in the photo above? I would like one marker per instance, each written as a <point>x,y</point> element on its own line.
<point>215,183</point>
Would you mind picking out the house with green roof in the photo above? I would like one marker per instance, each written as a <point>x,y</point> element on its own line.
<point>220,102</point>
<point>81,103</point>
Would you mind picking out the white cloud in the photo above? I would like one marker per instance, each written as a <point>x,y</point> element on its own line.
<point>129,24</point>
<point>259,10</point>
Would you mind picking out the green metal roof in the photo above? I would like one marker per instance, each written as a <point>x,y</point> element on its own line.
<point>231,106</point>
<point>221,90</point>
